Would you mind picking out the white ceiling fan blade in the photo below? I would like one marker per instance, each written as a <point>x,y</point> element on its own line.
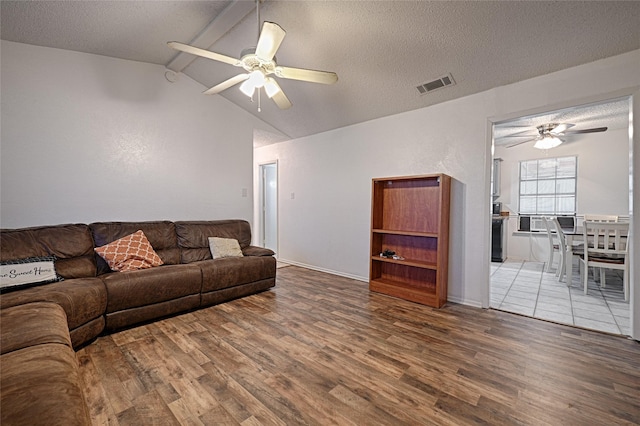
<point>270,38</point>
<point>204,53</point>
<point>226,84</point>
<point>516,136</point>
<point>520,143</point>
<point>281,99</point>
<point>313,76</point>
<point>593,130</point>
<point>560,128</point>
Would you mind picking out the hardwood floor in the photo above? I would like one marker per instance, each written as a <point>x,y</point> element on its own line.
<point>321,349</point>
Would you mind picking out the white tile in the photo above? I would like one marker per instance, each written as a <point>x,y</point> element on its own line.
<point>496,301</point>
<point>500,285</point>
<point>594,316</point>
<point>522,294</point>
<point>596,325</point>
<point>566,310</point>
<point>533,266</point>
<point>549,276</point>
<point>622,321</point>
<point>602,309</point>
<point>525,289</point>
<point>530,303</point>
<point>527,281</point>
<point>618,304</point>
<point>523,310</point>
<point>579,299</point>
<point>558,299</point>
<point>599,307</point>
<point>501,280</point>
<point>554,286</point>
<point>553,316</point>
<point>618,311</point>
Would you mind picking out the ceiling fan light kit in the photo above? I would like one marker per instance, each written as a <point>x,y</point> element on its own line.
<point>255,81</point>
<point>260,63</point>
<point>547,141</point>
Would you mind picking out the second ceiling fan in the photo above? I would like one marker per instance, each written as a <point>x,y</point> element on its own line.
<point>549,135</point>
<point>260,65</point>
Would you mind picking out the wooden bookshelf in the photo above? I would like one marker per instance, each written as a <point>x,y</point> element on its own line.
<point>410,215</point>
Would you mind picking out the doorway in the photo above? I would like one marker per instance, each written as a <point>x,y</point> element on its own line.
<point>525,283</point>
<point>269,206</point>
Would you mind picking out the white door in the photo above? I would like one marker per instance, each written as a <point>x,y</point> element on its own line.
<point>269,206</point>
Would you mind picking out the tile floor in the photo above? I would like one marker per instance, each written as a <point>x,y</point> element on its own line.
<point>523,287</point>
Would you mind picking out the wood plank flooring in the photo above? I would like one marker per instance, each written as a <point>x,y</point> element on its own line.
<point>320,349</point>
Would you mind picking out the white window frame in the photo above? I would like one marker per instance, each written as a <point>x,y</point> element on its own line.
<point>539,194</point>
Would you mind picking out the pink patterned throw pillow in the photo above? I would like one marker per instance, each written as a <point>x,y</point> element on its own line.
<point>129,253</point>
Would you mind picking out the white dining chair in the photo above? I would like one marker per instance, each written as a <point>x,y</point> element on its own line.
<point>576,249</point>
<point>605,247</point>
<point>553,247</point>
<point>600,218</point>
<point>562,241</point>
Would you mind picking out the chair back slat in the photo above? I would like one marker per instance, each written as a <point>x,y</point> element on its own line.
<point>600,218</point>
<point>605,238</point>
<point>560,232</point>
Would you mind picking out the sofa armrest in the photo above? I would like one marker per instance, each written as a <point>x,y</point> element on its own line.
<point>257,251</point>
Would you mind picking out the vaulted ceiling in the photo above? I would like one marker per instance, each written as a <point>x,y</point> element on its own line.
<point>381,50</point>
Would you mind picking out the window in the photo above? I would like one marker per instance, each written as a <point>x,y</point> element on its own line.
<point>548,186</point>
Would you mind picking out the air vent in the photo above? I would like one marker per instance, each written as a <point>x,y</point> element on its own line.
<point>436,84</point>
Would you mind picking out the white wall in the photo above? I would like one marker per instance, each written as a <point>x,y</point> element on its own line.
<point>89,138</point>
<point>326,225</point>
<point>602,185</point>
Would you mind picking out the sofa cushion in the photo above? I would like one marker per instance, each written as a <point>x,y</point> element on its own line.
<point>129,253</point>
<point>257,251</point>
<point>148,286</point>
<point>224,247</point>
<point>232,271</point>
<point>125,318</point>
<point>83,299</point>
<point>31,271</point>
<point>33,324</point>
<point>161,235</point>
<point>72,245</point>
<point>42,385</point>
<point>193,236</point>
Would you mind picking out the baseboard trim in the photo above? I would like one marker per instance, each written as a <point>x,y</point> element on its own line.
<point>328,271</point>
<point>458,300</point>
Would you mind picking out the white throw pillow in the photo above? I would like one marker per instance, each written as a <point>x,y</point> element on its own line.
<point>30,271</point>
<point>224,247</point>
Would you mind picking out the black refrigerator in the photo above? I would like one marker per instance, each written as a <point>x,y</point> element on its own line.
<point>498,240</point>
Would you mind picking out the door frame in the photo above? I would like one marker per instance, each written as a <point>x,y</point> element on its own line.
<point>261,203</point>
<point>633,93</point>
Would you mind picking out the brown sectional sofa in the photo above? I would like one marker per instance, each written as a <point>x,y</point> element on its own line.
<point>41,325</point>
<point>40,381</point>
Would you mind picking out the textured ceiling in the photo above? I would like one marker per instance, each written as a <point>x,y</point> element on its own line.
<point>381,50</point>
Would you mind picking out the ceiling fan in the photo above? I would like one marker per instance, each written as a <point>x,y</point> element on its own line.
<point>550,135</point>
<point>260,64</point>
